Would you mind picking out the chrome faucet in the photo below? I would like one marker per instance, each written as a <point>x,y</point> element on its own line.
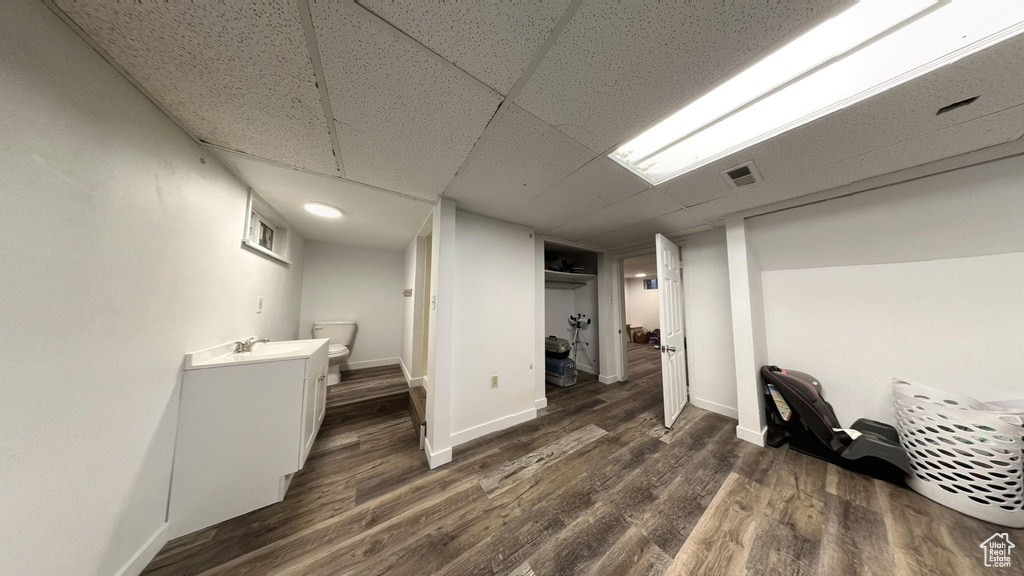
<point>246,345</point>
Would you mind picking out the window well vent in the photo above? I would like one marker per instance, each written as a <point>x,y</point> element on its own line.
<point>742,175</point>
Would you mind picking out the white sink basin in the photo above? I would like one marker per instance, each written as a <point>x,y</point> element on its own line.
<point>225,355</point>
<point>278,348</point>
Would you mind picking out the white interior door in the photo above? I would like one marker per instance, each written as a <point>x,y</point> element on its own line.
<point>670,313</point>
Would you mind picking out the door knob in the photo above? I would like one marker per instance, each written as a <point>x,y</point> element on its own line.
<point>668,348</point>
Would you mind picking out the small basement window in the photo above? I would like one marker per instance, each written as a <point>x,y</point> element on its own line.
<point>266,232</point>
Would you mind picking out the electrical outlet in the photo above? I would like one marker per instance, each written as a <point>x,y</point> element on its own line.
<point>494,380</point>
<point>259,304</point>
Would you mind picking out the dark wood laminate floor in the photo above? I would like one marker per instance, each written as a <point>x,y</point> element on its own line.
<point>594,485</point>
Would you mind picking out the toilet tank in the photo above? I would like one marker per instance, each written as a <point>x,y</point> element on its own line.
<point>339,331</point>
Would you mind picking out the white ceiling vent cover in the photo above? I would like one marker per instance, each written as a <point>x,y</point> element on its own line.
<point>743,175</point>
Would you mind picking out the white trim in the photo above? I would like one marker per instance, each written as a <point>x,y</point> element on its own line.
<point>144,555</point>
<point>752,436</point>
<point>609,379</point>
<point>436,459</point>
<point>540,403</point>
<point>370,363</point>
<point>412,382</point>
<point>727,411</point>
<point>502,423</point>
<point>264,252</point>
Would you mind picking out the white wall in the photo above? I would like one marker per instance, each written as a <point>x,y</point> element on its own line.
<point>641,305</point>
<point>122,252</point>
<point>345,283</point>
<point>920,280</point>
<point>559,304</point>
<point>711,365</point>
<point>493,326</point>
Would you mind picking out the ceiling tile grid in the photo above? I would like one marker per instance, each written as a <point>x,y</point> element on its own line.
<point>236,75</point>
<point>406,121</point>
<point>492,40</point>
<point>621,66</point>
<point>902,113</point>
<point>372,218</point>
<point>671,224</point>
<point>648,204</point>
<point>600,183</point>
<point>519,158</point>
<point>980,133</point>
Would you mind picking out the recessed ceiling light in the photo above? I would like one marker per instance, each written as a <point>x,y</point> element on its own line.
<point>867,49</point>
<point>641,275</point>
<point>321,209</point>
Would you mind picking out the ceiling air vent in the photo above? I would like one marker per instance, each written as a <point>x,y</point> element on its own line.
<point>742,175</point>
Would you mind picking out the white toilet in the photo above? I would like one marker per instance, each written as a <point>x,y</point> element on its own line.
<point>340,333</point>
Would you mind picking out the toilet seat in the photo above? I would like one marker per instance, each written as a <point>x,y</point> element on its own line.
<point>335,351</point>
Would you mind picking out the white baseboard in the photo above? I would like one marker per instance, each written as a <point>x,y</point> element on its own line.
<point>413,382</point>
<point>716,408</point>
<point>435,459</point>
<point>609,379</point>
<point>586,368</point>
<point>143,556</point>
<point>468,434</point>
<point>370,363</point>
<point>540,403</point>
<point>752,436</point>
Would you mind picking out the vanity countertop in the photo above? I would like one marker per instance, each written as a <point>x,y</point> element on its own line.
<point>225,355</point>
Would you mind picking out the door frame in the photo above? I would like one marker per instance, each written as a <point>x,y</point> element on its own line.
<point>620,318</point>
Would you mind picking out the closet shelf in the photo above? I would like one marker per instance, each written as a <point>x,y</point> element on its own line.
<point>566,280</point>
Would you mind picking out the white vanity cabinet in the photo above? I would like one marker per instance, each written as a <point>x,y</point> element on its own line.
<point>246,424</point>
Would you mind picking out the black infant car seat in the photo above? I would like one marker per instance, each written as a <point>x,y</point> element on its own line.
<point>808,423</point>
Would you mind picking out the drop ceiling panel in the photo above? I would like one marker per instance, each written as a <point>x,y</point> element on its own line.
<point>373,218</point>
<point>903,113</point>
<point>645,205</point>
<point>406,120</point>
<point>519,158</point>
<point>494,41</point>
<point>646,264</point>
<point>671,224</point>
<point>236,75</point>
<point>620,66</point>
<point>600,183</point>
<point>959,139</point>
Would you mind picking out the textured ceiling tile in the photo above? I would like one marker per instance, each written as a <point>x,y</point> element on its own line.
<point>645,205</point>
<point>373,218</point>
<point>897,115</point>
<point>492,40</point>
<point>236,75</point>
<point>959,139</point>
<point>598,184</point>
<point>520,158</point>
<point>673,224</point>
<point>406,121</point>
<point>620,66</point>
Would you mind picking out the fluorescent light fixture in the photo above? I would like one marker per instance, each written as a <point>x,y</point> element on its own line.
<point>865,50</point>
<point>321,209</point>
<point>641,275</point>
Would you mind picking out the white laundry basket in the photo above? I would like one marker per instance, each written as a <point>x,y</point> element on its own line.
<point>965,454</point>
